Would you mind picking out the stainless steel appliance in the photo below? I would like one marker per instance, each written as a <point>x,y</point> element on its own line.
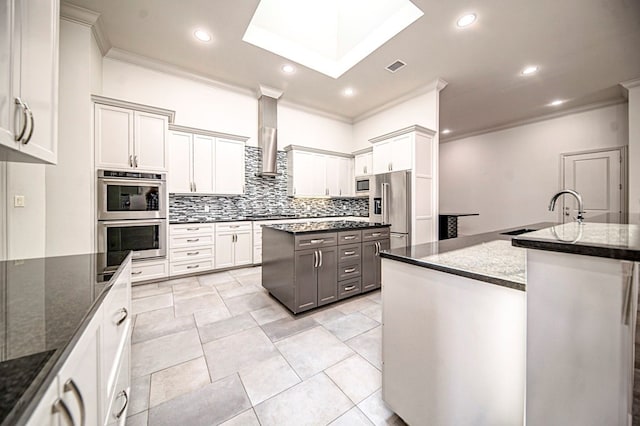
<point>147,239</point>
<point>362,185</point>
<point>131,195</point>
<point>390,203</point>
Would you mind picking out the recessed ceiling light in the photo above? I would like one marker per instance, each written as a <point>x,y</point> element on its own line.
<point>466,20</point>
<point>202,35</point>
<point>348,91</point>
<point>287,68</point>
<point>446,131</point>
<point>531,69</point>
<point>556,102</point>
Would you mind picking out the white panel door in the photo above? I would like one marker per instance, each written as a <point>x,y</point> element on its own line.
<point>382,157</point>
<point>204,164</point>
<point>224,250</point>
<point>243,250</point>
<point>597,177</point>
<point>229,170</point>
<point>179,176</point>
<point>401,153</point>
<point>332,180</point>
<point>6,99</point>
<point>303,174</point>
<point>345,177</point>
<point>360,165</point>
<point>150,141</point>
<point>114,137</point>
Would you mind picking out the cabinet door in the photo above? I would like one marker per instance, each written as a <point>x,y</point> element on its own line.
<point>370,263</point>
<point>384,245</point>
<point>150,143</point>
<point>402,153</point>
<point>368,163</point>
<point>328,275</point>
<point>7,105</point>
<point>180,155</point>
<point>332,173</point>
<point>306,280</point>
<point>309,174</point>
<point>204,157</point>
<point>39,21</point>
<point>243,248</point>
<point>229,170</point>
<point>224,249</point>
<point>114,137</point>
<point>345,177</point>
<point>43,414</point>
<point>382,157</point>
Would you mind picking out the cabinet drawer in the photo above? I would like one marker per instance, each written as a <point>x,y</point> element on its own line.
<point>348,288</point>
<point>375,234</point>
<point>351,253</point>
<point>141,271</point>
<point>310,241</point>
<point>233,226</point>
<point>178,241</point>
<point>121,395</point>
<point>191,228</point>
<point>349,237</point>
<point>190,267</point>
<point>191,254</point>
<point>349,270</point>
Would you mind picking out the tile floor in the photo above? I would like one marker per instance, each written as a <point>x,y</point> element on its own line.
<point>217,349</point>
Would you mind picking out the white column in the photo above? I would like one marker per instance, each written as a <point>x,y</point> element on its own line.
<point>633,88</point>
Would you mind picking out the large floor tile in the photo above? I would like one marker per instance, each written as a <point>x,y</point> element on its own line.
<point>253,279</point>
<point>270,314</point>
<point>326,315</point>
<point>215,279</point>
<point>209,405</point>
<point>369,346</point>
<point>195,304</point>
<point>283,328</point>
<point>178,380</point>
<point>312,351</point>
<point>355,377</point>
<point>247,418</point>
<point>189,293</point>
<point>246,271</point>
<point>353,417</point>
<point>161,322</point>
<point>233,353</point>
<point>180,283</point>
<point>375,296</point>
<point>139,400</point>
<point>238,290</point>
<point>316,401</point>
<point>139,419</point>
<point>138,291</point>
<point>351,325</point>
<point>268,378</point>
<point>374,312</point>
<point>226,327</point>
<point>377,411</point>
<point>212,314</point>
<point>247,303</point>
<point>354,305</point>
<point>151,303</point>
<point>163,352</point>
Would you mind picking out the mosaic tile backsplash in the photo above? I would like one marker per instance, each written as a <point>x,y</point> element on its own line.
<point>263,196</point>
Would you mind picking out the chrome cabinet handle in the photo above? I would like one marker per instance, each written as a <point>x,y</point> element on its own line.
<point>193,266</point>
<point>136,272</point>
<point>320,253</point>
<point>195,187</point>
<point>377,248</point>
<point>234,226</point>
<point>126,403</point>
<point>315,259</point>
<point>70,385</point>
<point>33,123</point>
<point>349,270</point>
<point>349,253</point>
<point>195,240</point>
<point>365,170</point>
<point>25,116</point>
<point>350,237</point>
<point>131,161</point>
<point>124,316</point>
<point>193,253</point>
<point>60,407</point>
<point>317,241</point>
<point>351,287</point>
<point>376,234</point>
<point>628,279</point>
<point>193,229</point>
<point>135,161</point>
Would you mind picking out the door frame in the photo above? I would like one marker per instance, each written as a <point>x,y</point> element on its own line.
<point>624,175</point>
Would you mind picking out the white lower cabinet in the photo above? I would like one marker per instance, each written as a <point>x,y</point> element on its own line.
<point>234,244</point>
<point>191,248</point>
<point>149,270</point>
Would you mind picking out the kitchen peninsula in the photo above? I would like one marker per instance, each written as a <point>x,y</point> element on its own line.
<point>306,265</point>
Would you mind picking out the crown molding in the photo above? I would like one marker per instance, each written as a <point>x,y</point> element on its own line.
<point>363,151</point>
<point>415,128</point>
<point>316,151</point>
<point>99,33</point>
<point>269,92</point>
<point>505,126</point>
<point>88,18</point>
<point>170,114</point>
<point>311,110</point>
<point>630,84</point>
<point>437,84</point>
<point>211,133</point>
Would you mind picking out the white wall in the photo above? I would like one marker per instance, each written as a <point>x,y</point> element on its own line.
<point>70,185</point>
<point>509,176</point>
<point>298,127</point>
<point>634,148</point>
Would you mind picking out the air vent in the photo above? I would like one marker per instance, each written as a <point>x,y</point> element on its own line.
<point>396,66</point>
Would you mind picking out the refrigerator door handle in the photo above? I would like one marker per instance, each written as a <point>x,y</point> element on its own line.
<point>385,203</point>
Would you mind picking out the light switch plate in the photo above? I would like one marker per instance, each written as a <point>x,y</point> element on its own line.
<point>206,209</point>
<point>18,201</point>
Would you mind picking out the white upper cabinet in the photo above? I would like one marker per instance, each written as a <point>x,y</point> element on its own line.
<point>345,177</point>
<point>332,174</point>
<point>393,155</point>
<point>179,178</point>
<point>204,163</point>
<point>229,170</point>
<point>363,164</point>
<point>29,78</point>
<point>314,174</point>
<point>130,139</point>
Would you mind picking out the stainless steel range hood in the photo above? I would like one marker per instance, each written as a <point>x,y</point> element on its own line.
<point>268,133</point>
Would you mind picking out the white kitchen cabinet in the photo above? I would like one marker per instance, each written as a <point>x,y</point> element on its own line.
<point>393,155</point>
<point>363,164</point>
<point>332,175</point>
<point>129,139</point>
<point>204,164</point>
<point>229,167</point>
<point>345,177</point>
<point>315,174</point>
<point>191,248</point>
<point>144,270</point>
<point>191,163</point>
<point>42,415</point>
<point>234,244</point>
<point>29,78</point>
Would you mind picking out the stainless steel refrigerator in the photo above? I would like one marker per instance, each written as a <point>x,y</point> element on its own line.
<point>390,202</point>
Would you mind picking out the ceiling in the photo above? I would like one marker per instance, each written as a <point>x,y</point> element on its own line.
<point>583,48</point>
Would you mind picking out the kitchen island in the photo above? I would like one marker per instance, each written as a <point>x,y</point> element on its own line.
<point>306,265</point>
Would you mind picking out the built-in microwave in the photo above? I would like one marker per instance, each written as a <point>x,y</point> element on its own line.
<point>146,238</point>
<point>362,185</point>
<point>131,195</point>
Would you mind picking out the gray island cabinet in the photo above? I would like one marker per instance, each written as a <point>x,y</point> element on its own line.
<point>306,265</point>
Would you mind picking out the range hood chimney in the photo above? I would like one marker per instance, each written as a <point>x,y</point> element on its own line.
<point>268,129</point>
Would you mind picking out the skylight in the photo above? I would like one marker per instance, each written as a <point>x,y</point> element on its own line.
<point>329,36</point>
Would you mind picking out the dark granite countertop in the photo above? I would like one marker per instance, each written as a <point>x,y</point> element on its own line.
<point>487,257</point>
<point>45,304</point>
<point>203,219</point>
<point>337,226</point>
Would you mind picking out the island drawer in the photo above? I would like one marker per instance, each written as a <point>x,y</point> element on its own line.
<point>348,288</point>
<point>349,270</point>
<point>309,241</point>
<point>351,253</point>
<point>375,234</point>
<point>349,237</point>
<point>191,228</point>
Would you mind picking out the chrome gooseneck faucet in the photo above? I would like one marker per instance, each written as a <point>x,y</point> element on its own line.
<point>552,204</point>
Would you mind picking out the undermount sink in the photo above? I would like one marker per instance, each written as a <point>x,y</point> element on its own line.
<point>518,231</point>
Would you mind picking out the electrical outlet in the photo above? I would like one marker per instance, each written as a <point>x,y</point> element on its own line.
<point>308,208</point>
<point>206,209</point>
<point>18,201</point>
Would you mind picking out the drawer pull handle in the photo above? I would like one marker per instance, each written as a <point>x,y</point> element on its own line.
<point>60,407</point>
<point>376,234</point>
<point>350,237</point>
<point>193,229</point>
<point>193,253</point>
<point>349,253</point>
<point>306,304</point>
<point>350,270</point>
<point>317,241</point>
<point>195,240</point>
<point>126,403</point>
<point>193,266</point>
<point>234,226</point>
<point>136,272</point>
<point>351,287</point>
<point>70,385</point>
<point>124,316</point>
